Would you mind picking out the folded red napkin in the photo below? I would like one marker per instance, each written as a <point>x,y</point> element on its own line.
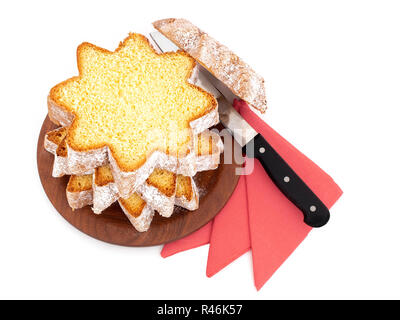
<point>258,215</point>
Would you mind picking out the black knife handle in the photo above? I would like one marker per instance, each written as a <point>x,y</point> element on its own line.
<point>316,214</point>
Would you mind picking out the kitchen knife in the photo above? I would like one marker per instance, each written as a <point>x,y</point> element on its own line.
<point>316,214</point>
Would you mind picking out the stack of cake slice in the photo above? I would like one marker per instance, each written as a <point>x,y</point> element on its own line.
<point>161,191</point>
<point>133,129</point>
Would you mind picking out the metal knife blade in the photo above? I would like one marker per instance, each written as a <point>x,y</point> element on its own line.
<point>234,122</point>
<point>162,42</point>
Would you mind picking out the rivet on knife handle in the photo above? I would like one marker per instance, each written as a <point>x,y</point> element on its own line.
<point>316,214</point>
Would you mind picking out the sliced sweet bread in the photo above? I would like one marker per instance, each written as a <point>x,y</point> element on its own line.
<point>79,191</point>
<point>133,108</point>
<point>60,165</point>
<point>105,192</point>
<point>187,195</point>
<point>53,139</point>
<point>137,211</point>
<point>99,189</point>
<point>55,143</point>
<point>158,190</point>
<point>82,190</point>
<point>237,75</point>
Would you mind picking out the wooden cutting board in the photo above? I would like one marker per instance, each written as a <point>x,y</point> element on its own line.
<point>112,226</point>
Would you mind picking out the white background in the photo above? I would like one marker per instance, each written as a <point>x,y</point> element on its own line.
<point>332,71</point>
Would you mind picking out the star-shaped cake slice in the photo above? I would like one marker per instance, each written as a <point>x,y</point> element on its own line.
<point>133,101</point>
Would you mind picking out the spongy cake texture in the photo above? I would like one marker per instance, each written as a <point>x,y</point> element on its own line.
<point>133,100</point>
<point>163,180</point>
<point>79,183</point>
<point>134,205</point>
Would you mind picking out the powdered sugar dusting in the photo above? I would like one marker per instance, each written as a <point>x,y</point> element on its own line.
<point>218,59</point>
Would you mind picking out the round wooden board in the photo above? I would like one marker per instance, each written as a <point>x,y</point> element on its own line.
<point>112,226</point>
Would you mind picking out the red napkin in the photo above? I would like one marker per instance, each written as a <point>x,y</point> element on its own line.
<point>230,235</point>
<point>193,240</point>
<point>258,215</point>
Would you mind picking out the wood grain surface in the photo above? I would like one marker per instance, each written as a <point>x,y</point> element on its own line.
<point>112,226</point>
